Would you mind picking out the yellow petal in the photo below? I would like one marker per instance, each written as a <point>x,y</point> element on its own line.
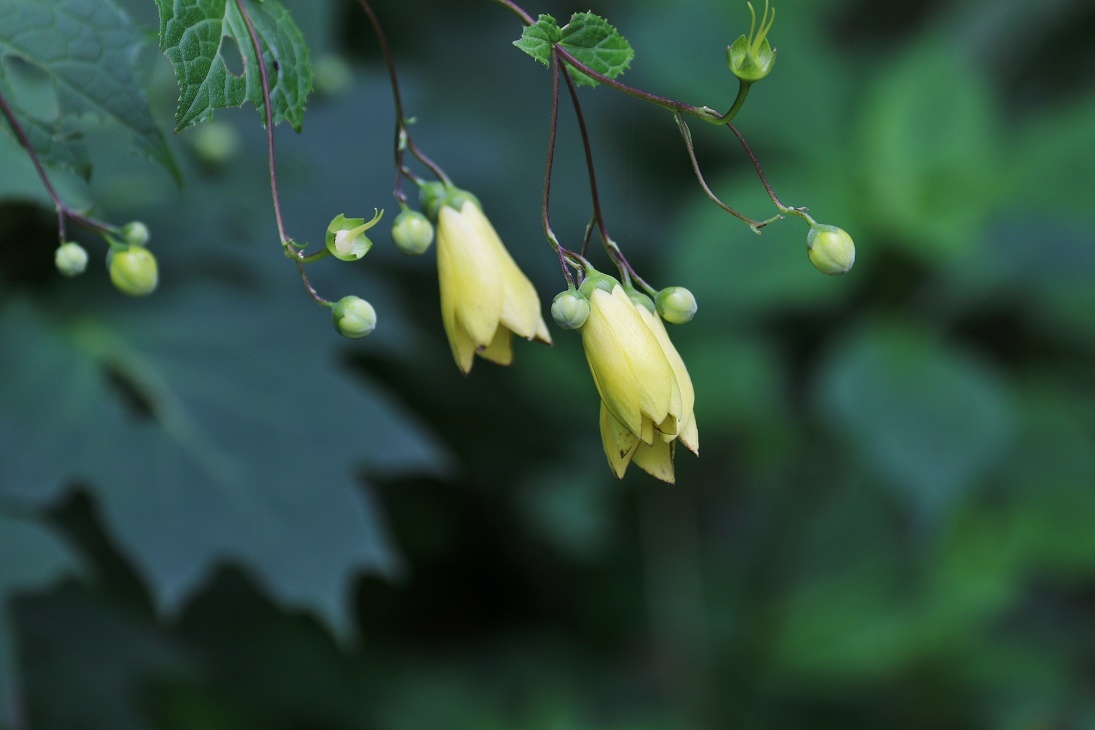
<point>687,431</point>
<point>520,302</point>
<point>628,363</point>
<point>500,350</point>
<point>618,442</point>
<point>463,349</point>
<point>656,460</point>
<point>468,267</point>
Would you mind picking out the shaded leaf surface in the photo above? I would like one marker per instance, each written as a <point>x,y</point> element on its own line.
<point>192,36</point>
<point>221,466</point>
<point>87,48</point>
<point>30,557</point>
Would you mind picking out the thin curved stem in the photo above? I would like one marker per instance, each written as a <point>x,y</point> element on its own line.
<point>789,210</point>
<point>686,133</point>
<point>63,211</point>
<point>545,211</point>
<point>403,139</point>
<point>267,107</point>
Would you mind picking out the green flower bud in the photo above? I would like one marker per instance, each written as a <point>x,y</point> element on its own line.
<point>676,305</point>
<point>332,75</point>
<point>353,317</point>
<point>215,142</point>
<point>135,233</point>
<point>570,309</point>
<point>431,195</point>
<point>831,249</point>
<point>597,280</point>
<point>751,57</point>
<point>133,270</point>
<point>412,232</point>
<point>70,259</point>
<point>346,239</point>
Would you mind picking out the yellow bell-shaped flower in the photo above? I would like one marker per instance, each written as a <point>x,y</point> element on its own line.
<point>485,298</point>
<point>647,397</point>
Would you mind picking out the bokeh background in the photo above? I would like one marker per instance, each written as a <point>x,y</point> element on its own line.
<point>892,523</point>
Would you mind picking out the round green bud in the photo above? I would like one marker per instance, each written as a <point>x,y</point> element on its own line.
<point>353,317</point>
<point>831,249</point>
<point>70,259</point>
<point>570,309</point>
<point>215,142</point>
<point>431,195</point>
<point>596,280</point>
<point>332,75</point>
<point>133,270</point>
<point>135,233</point>
<point>412,232</point>
<point>676,305</point>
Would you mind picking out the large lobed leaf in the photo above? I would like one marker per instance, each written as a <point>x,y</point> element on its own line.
<point>192,36</point>
<point>30,557</point>
<point>248,450</point>
<point>588,37</point>
<point>87,47</point>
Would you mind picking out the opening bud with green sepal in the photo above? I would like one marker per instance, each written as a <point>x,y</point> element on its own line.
<point>831,249</point>
<point>133,270</point>
<point>412,232</point>
<point>751,57</point>
<point>70,259</point>
<point>353,317</point>
<point>346,239</point>
<point>570,309</point>
<point>135,233</point>
<point>676,305</point>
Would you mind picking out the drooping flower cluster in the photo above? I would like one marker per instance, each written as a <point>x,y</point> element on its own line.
<point>646,393</point>
<point>485,298</point>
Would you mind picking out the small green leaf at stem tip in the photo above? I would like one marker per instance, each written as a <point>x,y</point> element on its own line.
<point>587,37</point>
<point>537,39</point>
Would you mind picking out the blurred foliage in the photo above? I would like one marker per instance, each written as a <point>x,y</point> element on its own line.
<point>891,522</point>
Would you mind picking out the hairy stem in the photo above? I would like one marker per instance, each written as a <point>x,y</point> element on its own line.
<point>800,212</point>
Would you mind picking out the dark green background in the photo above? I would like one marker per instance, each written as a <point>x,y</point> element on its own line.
<point>892,523</point>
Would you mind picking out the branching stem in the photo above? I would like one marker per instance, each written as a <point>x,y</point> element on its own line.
<point>63,211</point>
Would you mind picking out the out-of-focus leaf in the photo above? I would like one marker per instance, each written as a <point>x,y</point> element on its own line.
<point>192,36</point>
<point>928,420</point>
<point>247,451</point>
<point>88,49</point>
<point>930,152</point>
<point>1054,159</point>
<point>31,557</point>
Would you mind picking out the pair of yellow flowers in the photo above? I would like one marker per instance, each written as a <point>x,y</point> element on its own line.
<point>646,394</point>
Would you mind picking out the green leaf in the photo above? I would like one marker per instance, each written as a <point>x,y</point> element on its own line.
<point>192,36</point>
<point>598,45</point>
<point>241,442</point>
<point>88,50</point>
<point>931,422</point>
<point>30,557</point>
<point>537,39</point>
<point>587,37</point>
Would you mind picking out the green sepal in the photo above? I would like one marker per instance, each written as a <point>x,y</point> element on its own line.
<point>346,239</point>
<point>596,280</point>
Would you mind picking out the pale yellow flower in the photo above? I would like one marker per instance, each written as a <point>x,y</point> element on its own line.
<point>647,398</point>
<point>485,298</point>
